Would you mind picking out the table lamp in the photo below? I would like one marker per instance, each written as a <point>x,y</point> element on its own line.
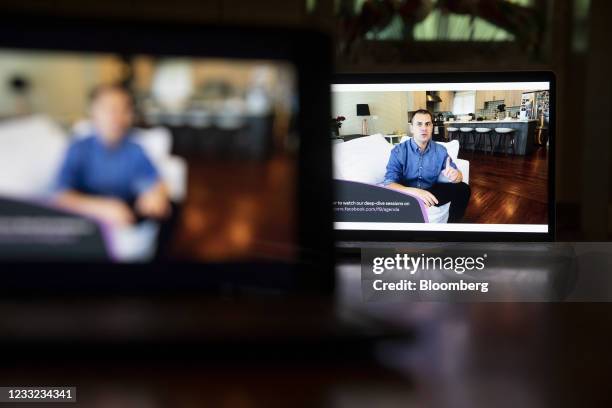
<point>363,110</point>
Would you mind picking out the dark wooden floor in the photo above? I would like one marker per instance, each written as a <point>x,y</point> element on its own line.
<point>507,189</point>
<point>237,210</point>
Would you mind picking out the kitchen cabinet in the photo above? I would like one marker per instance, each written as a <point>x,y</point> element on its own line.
<point>485,96</point>
<point>510,98</point>
<point>447,101</point>
<point>495,95</point>
<point>481,98</point>
<point>513,98</point>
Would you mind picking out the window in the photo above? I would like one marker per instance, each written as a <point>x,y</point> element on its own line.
<point>464,102</point>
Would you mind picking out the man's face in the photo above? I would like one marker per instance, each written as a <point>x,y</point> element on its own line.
<point>422,128</point>
<point>112,115</point>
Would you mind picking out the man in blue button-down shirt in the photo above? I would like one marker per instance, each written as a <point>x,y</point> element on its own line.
<point>415,166</point>
<point>107,175</point>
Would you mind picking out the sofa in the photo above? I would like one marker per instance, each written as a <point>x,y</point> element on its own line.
<point>365,160</point>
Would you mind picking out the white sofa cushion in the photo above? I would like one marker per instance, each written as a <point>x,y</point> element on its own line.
<point>452,148</point>
<point>31,152</point>
<point>363,159</point>
<point>464,167</point>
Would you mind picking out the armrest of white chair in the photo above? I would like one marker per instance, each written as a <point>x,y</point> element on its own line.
<point>464,167</point>
<point>173,171</point>
<point>157,141</point>
<point>133,243</point>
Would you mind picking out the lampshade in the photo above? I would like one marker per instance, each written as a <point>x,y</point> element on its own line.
<point>363,109</point>
<point>173,84</point>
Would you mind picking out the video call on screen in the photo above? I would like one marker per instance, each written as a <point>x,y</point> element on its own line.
<point>142,158</point>
<point>479,149</point>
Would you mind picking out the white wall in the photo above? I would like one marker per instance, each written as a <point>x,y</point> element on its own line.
<point>390,107</point>
<point>59,82</point>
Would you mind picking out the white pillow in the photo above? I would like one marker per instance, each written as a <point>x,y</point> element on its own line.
<point>452,148</point>
<point>32,150</point>
<point>156,142</point>
<point>363,159</point>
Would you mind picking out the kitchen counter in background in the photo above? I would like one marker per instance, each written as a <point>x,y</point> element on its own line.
<point>524,136</point>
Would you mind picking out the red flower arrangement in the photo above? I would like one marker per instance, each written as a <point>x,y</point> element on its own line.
<point>336,124</point>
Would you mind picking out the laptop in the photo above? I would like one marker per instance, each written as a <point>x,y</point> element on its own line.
<point>211,175</point>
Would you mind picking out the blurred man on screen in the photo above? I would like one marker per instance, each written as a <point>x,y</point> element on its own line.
<point>106,175</point>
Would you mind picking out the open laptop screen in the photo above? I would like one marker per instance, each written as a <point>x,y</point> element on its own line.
<point>151,145</point>
<point>104,156</point>
<point>443,157</point>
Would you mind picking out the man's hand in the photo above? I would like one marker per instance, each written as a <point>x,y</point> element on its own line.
<point>153,203</point>
<point>428,198</point>
<point>115,212</point>
<point>109,210</point>
<point>453,175</point>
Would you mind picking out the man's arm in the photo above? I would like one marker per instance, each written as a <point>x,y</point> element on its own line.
<point>155,202</point>
<point>106,209</point>
<point>395,167</point>
<point>428,198</point>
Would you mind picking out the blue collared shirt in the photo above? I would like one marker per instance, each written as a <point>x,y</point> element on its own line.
<point>91,167</point>
<point>411,167</point>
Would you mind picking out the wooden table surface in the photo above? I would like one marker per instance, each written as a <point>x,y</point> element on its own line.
<point>462,355</point>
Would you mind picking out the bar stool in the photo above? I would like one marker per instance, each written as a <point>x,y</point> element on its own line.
<point>452,133</point>
<point>464,136</point>
<point>486,134</point>
<point>507,136</point>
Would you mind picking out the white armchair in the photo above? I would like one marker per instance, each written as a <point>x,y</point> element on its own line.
<point>365,160</point>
